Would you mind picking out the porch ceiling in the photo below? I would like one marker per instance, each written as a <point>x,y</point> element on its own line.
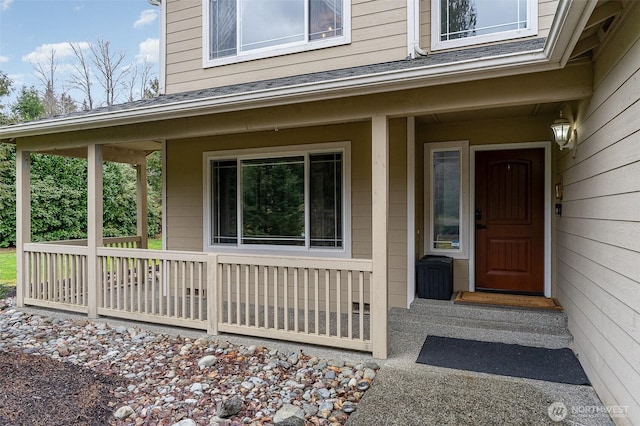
<point>129,152</point>
<point>530,110</point>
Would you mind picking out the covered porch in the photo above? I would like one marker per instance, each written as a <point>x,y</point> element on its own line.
<point>339,300</point>
<point>313,300</point>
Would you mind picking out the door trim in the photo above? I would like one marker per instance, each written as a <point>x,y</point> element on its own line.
<point>547,205</point>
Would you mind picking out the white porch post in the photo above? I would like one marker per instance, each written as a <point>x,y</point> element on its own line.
<point>94,224</point>
<point>411,210</point>
<point>23,218</point>
<point>379,221</point>
<point>141,205</point>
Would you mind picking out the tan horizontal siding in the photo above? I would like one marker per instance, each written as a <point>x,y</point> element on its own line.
<point>612,207</point>
<point>378,34</point>
<point>385,49</point>
<point>185,182</point>
<point>597,249</point>
<point>546,13</point>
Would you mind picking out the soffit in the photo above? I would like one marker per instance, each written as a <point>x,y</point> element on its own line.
<point>531,110</point>
<point>604,18</point>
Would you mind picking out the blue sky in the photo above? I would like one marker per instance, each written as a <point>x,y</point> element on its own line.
<point>30,29</point>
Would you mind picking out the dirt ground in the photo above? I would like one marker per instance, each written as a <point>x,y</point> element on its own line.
<point>36,390</point>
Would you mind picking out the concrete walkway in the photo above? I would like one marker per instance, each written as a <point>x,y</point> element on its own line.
<point>406,393</point>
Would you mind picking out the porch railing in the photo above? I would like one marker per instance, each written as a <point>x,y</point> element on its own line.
<point>133,241</point>
<point>56,276</point>
<point>316,301</point>
<point>154,286</point>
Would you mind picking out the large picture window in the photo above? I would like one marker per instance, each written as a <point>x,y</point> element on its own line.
<point>465,22</point>
<point>289,200</point>
<point>248,29</point>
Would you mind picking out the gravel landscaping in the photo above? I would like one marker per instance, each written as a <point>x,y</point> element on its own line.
<point>77,372</point>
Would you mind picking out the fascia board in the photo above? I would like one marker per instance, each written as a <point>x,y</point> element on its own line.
<point>570,19</point>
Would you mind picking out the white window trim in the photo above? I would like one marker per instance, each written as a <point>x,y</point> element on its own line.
<point>269,52</point>
<point>436,44</point>
<point>429,148</point>
<point>344,147</point>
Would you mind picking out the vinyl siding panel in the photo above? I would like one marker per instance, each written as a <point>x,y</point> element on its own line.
<point>185,179</point>
<point>596,244</point>
<point>378,34</point>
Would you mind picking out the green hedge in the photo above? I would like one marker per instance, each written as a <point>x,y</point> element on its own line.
<point>59,199</point>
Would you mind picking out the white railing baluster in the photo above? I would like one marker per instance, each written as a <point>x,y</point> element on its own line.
<point>201,292</point>
<point>247,291</point>
<point>316,299</point>
<point>296,304</point>
<point>350,304</point>
<point>162,284</point>
<point>361,310</point>
<point>275,297</point>
<point>265,285</point>
<point>192,292</point>
<point>327,302</point>
<point>183,277</point>
<point>285,298</point>
<point>256,303</point>
<point>238,293</point>
<point>306,300</point>
<point>338,302</point>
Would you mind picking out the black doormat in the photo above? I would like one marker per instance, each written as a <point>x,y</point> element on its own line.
<point>552,365</point>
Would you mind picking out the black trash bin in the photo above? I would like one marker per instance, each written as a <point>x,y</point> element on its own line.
<point>434,277</point>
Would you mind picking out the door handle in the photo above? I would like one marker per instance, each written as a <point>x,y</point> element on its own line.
<point>480,226</point>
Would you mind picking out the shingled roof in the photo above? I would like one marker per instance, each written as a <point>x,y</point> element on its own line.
<point>428,62</point>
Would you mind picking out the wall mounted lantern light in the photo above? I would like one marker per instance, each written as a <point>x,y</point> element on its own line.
<point>565,138</point>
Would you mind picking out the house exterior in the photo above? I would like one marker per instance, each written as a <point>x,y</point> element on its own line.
<point>314,150</point>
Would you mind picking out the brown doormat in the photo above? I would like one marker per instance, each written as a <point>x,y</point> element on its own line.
<point>511,300</point>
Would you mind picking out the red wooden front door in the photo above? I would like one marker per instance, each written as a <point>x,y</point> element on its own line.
<point>509,239</point>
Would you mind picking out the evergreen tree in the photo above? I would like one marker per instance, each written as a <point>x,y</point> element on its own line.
<point>28,106</point>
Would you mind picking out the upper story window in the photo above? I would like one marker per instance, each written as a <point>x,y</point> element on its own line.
<point>458,23</point>
<point>239,30</point>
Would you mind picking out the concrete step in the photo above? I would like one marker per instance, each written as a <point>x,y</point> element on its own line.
<point>539,317</point>
<point>443,318</point>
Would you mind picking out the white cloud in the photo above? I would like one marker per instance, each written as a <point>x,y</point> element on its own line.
<point>4,59</point>
<point>43,53</point>
<point>146,18</point>
<point>149,51</point>
<point>4,4</point>
<point>19,80</point>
